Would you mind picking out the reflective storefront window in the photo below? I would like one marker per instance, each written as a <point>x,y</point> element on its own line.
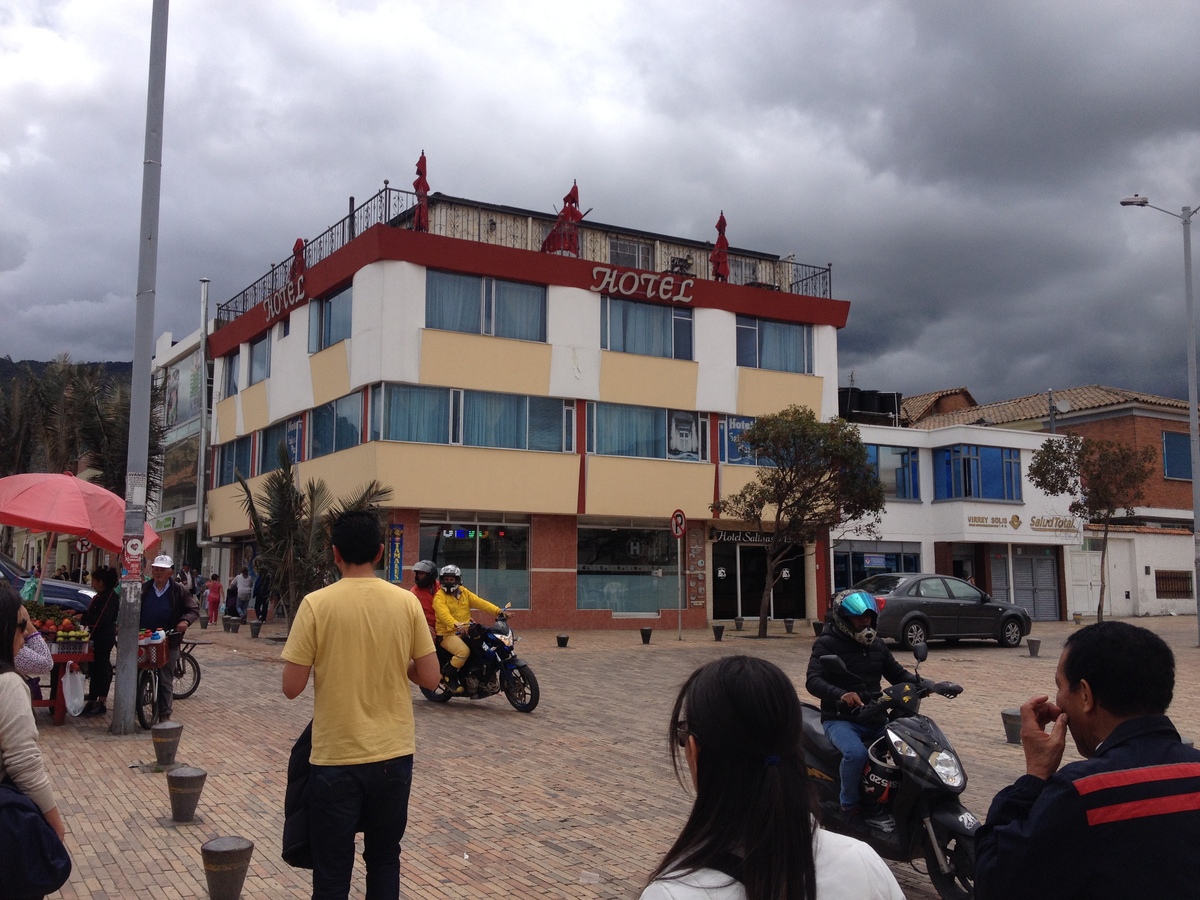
<point>627,570</point>
<point>494,558</point>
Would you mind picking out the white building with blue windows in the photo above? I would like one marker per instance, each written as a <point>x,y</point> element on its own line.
<point>958,503</point>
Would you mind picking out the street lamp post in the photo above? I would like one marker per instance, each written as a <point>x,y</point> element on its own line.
<point>1193,415</point>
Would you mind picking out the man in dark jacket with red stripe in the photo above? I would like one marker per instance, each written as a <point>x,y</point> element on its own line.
<point>1124,822</point>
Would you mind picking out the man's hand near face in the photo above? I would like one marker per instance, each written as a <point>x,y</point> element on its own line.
<point>1043,750</point>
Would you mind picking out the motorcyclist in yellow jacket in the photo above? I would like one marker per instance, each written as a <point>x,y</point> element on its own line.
<point>452,606</point>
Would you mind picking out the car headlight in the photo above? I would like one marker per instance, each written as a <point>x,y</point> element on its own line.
<point>900,745</point>
<point>948,768</point>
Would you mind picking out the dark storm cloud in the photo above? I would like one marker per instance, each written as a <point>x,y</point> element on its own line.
<point>958,163</point>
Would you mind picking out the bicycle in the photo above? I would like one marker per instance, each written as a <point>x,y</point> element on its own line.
<point>151,659</point>
<point>187,672</point>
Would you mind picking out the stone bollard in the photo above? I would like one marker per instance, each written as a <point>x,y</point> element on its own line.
<point>738,622</point>
<point>1012,725</point>
<point>255,628</point>
<point>718,632</point>
<point>818,627</point>
<point>788,625</point>
<point>225,622</point>
<point>1035,644</point>
<point>562,639</point>
<point>226,861</point>
<point>166,741</point>
<point>234,624</point>
<point>646,635</point>
<point>204,621</point>
<point>184,785</point>
<point>1078,617</point>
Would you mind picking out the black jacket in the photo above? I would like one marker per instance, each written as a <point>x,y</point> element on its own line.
<point>869,663</point>
<point>1125,823</point>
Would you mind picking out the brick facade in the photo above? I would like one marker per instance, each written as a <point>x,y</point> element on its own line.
<point>1142,431</point>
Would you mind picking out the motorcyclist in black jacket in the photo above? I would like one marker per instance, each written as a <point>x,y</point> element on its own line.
<point>850,634</point>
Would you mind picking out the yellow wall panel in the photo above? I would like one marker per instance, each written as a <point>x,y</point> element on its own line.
<point>647,380</point>
<point>330,372</point>
<point>254,407</point>
<point>618,486</point>
<point>761,391</point>
<point>482,363</point>
<point>430,475</point>
<point>227,419</point>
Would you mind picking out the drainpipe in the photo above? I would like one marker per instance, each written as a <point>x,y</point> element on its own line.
<point>202,458</point>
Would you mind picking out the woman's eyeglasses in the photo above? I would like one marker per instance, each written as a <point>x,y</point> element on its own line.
<point>681,733</point>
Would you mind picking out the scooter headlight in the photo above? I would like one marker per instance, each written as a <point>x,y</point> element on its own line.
<point>900,745</point>
<point>948,768</point>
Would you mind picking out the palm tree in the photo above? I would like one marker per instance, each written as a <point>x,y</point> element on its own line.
<point>291,528</point>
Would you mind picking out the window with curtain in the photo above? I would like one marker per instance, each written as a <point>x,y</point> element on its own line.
<point>494,420</point>
<point>475,305</point>
<point>288,433</point>
<point>329,320</point>
<point>234,459</point>
<point>336,426</point>
<point>260,359</point>
<point>416,413</point>
<point>645,328</point>
<point>779,346</point>
<point>619,430</point>
<point>232,363</point>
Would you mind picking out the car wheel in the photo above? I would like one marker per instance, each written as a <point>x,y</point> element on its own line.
<point>914,633</point>
<point>1010,633</point>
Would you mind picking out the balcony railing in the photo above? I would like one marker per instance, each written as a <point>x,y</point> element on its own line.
<point>510,228</point>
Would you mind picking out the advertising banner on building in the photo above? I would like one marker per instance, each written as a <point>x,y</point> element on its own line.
<point>395,554</point>
<point>185,390</point>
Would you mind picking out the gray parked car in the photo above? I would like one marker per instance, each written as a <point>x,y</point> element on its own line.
<point>919,607</point>
<point>66,594</point>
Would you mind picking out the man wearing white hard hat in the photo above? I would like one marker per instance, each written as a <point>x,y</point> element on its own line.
<point>168,605</point>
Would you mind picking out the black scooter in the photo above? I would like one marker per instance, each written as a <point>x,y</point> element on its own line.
<point>912,772</point>
<point>492,667</point>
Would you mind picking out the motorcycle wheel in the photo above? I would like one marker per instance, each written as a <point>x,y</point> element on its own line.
<point>959,882</point>
<point>521,689</point>
<point>441,695</point>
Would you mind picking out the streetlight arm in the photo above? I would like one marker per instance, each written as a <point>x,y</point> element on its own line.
<point>1142,202</point>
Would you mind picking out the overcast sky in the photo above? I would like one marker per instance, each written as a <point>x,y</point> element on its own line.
<point>959,163</point>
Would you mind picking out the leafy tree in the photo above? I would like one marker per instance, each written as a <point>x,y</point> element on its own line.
<point>291,527</point>
<point>818,478</point>
<point>1100,477</point>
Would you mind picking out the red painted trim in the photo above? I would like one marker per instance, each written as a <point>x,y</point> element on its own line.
<point>581,452</point>
<point>384,242</point>
<point>1140,809</point>
<point>1104,780</point>
<point>714,451</point>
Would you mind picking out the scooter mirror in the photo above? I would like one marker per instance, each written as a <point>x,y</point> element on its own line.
<point>921,652</point>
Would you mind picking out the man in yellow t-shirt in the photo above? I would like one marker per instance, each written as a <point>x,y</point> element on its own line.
<point>452,606</point>
<point>363,640</point>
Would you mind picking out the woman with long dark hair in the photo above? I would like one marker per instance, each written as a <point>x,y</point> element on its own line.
<point>20,758</point>
<point>751,834</point>
<point>101,617</point>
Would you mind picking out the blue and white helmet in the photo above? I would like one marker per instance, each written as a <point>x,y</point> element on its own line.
<point>857,603</point>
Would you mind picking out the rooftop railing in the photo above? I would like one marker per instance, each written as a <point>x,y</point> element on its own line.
<point>495,225</point>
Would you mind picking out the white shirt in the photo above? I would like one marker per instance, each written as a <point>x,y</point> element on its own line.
<point>847,869</point>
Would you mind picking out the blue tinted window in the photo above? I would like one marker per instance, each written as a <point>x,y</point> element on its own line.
<point>897,470</point>
<point>1177,455</point>
<point>969,471</point>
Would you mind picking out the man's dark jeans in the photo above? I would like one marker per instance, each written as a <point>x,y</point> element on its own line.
<point>342,800</point>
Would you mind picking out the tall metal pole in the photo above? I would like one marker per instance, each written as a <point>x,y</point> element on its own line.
<point>1193,414</point>
<point>139,398</point>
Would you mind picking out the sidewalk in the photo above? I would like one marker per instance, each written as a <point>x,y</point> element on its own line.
<point>576,800</point>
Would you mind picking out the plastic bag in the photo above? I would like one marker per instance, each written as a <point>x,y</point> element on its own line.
<point>29,589</point>
<point>73,689</point>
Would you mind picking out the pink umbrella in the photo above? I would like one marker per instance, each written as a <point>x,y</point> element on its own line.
<point>150,539</point>
<point>63,504</point>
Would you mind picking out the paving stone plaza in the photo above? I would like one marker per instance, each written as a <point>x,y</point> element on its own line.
<point>576,800</point>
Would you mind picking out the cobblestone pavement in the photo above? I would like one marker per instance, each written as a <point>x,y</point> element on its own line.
<point>576,800</point>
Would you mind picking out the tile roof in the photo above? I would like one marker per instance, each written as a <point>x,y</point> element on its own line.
<point>1035,407</point>
<point>914,407</point>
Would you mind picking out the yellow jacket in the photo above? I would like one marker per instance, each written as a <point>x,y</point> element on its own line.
<point>451,610</point>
